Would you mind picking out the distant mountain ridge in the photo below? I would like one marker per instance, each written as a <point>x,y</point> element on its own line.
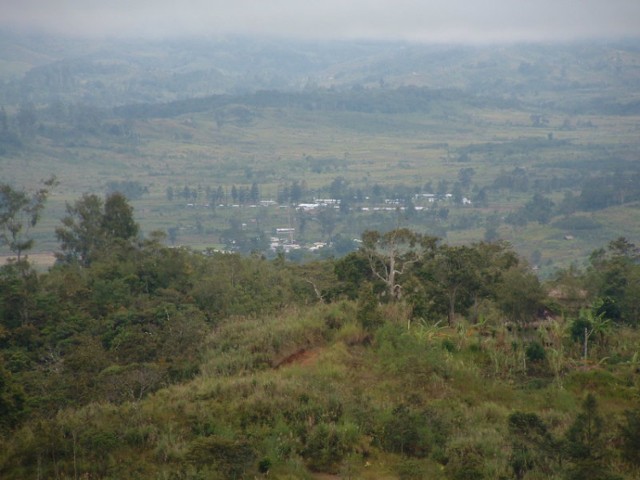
<point>109,73</point>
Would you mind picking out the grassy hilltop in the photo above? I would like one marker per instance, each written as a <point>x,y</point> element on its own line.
<point>130,359</point>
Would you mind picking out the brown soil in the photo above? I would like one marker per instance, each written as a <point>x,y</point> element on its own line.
<point>299,357</point>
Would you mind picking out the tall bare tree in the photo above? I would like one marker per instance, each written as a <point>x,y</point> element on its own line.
<point>392,254</point>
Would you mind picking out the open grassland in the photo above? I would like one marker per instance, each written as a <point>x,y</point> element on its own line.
<point>275,147</point>
<point>191,149</point>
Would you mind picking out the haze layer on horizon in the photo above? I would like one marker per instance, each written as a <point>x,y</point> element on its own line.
<point>458,21</point>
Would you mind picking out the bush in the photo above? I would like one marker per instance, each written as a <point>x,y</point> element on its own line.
<point>630,434</point>
<point>406,432</point>
<point>229,457</point>
<point>368,311</point>
<point>326,446</point>
<point>535,352</point>
<point>264,465</point>
<point>448,345</point>
<point>465,462</point>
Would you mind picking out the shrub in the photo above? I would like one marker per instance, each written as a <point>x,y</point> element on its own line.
<point>327,444</point>
<point>228,456</point>
<point>448,345</point>
<point>535,352</point>
<point>465,462</point>
<point>406,432</point>
<point>630,434</point>
<point>368,311</point>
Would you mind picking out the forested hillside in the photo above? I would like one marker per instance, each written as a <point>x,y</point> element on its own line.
<point>408,358</point>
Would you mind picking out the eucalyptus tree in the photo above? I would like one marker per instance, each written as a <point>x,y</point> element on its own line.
<point>455,269</point>
<point>457,277</point>
<point>19,212</point>
<point>91,225</point>
<point>392,254</point>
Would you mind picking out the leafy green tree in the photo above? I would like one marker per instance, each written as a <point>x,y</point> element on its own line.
<point>186,193</point>
<point>298,189</point>
<point>585,444</point>
<point>630,301</point>
<point>220,195</point>
<point>569,290</point>
<point>520,295</point>
<point>614,276</point>
<point>539,209</point>
<point>20,211</point>
<point>532,445</point>
<point>466,461</point>
<point>327,444</point>
<point>535,352</point>
<point>465,176</point>
<point>456,278</point>
<point>12,400</point>
<point>458,193</point>
<point>117,220</point>
<point>518,218</point>
<point>455,270</point>
<point>19,288</point>
<point>591,322</point>
<point>81,235</point>
<point>407,432</point>
<point>92,225</point>
<point>352,270</point>
<point>255,192</point>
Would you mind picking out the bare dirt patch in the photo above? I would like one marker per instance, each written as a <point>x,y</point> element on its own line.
<point>300,357</point>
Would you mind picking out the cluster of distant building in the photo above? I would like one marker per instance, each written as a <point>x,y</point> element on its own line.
<point>283,238</point>
<point>388,204</point>
<point>319,203</point>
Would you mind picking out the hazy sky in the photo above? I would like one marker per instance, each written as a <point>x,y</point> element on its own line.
<point>428,20</point>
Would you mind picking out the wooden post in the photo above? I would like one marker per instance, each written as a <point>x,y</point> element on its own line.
<point>586,340</point>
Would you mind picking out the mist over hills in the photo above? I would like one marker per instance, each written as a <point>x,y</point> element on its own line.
<point>107,73</point>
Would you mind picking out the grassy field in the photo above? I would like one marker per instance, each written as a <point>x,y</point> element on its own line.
<point>366,149</point>
<point>556,115</point>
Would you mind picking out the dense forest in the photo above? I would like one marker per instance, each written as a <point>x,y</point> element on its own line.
<point>407,358</point>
